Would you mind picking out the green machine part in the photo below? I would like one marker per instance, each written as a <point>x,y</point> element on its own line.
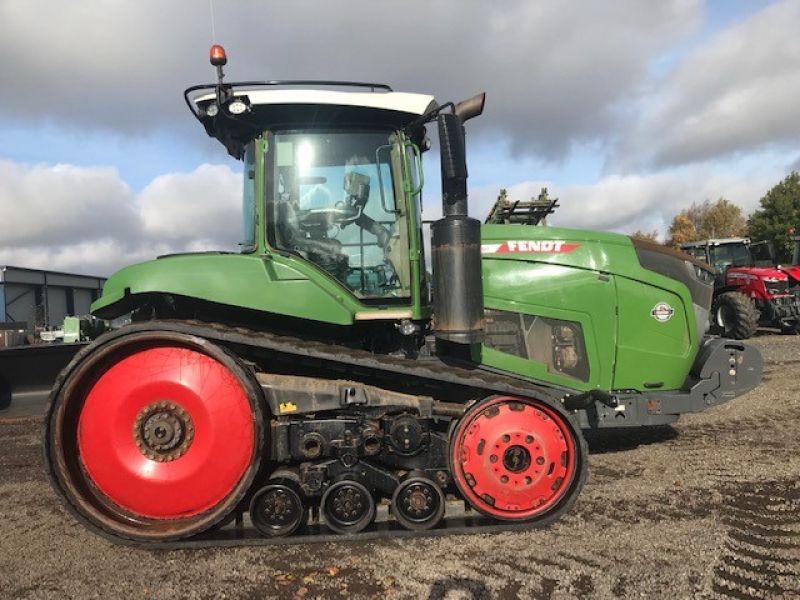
<point>72,330</point>
<point>577,309</point>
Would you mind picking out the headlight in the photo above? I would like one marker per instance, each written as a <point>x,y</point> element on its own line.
<point>237,107</point>
<point>771,279</point>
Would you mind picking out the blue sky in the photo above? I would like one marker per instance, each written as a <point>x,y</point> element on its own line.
<point>627,111</point>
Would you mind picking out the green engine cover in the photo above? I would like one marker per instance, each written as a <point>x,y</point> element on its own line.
<point>268,283</point>
<point>577,309</point>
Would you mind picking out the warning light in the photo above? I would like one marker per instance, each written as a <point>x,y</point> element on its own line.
<point>218,57</point>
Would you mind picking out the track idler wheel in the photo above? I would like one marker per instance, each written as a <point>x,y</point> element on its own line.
<point>418,503</point>
<point>348,506</point>
<point>277,509</point>
<point>517,459</point>
<point>154,436</point>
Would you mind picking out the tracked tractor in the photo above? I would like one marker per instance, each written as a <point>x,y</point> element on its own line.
<point>310,381</point>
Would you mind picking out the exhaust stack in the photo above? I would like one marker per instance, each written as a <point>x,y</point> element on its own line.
<point>456,243</point>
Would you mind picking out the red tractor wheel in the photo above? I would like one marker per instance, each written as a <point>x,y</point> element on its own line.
<point>154,436</point>
<point>518,459</point>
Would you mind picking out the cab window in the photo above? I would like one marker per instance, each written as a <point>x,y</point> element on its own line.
<point>336,203</point>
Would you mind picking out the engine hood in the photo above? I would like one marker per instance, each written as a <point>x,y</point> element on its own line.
<point>570,247</point>
<point>760,272</point>
<point>596,250</point>
<point>792,271</point>
<point>611,253</point>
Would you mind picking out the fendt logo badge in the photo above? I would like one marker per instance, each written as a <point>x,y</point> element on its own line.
<point>662,312</point>
<point>542,246</point>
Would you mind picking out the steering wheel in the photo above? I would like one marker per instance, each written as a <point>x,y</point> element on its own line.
<point>325,218</point>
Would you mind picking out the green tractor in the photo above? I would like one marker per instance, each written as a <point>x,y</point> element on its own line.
<point>318,372</point>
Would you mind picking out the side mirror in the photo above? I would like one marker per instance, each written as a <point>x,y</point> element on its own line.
<point>471,107</point>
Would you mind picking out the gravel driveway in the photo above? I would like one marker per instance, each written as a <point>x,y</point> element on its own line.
<point>709,508</point>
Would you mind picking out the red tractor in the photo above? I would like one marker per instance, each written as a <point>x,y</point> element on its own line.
<point>749,290</point>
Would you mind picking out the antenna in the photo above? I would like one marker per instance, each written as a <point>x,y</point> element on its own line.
<point>213,28</point>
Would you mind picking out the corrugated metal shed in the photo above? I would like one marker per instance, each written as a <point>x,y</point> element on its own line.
<point>36,298</point>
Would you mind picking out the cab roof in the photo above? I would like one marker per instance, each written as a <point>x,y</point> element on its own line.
<point>716,242</point>
<point>301,104</point>
<point>413,104</point>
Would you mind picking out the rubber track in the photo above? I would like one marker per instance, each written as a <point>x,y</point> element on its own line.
<point>432,369</point>
<point>231,536</point>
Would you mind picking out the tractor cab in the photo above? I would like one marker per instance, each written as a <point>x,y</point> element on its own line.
<point>341,178</point>
<point>722,254</point>
<point>333,176</point>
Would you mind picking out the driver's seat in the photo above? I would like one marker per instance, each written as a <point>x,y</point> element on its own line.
<point>325,252</point>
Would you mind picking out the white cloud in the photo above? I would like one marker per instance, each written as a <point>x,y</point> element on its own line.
<point>62,203</point>
<point>203,205</point>
<point>625,203</point>
<point>553,71</point>
<point>737,92</point>
<point>87,220</point>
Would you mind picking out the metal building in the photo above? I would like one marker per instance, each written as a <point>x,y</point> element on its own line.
<point>32,298</point>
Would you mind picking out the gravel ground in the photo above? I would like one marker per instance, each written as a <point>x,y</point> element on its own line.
<point>708,509</point>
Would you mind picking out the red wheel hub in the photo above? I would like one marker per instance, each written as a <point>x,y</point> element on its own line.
<point>166,433</point>
<point>513,458</point>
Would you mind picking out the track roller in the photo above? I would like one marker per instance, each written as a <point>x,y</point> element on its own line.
<point>418,503</point>
<point>517,459</point>
<point>277,509</point>
<point>348,506</point>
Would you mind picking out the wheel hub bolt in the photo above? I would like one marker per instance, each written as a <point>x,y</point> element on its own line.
<point>163,431</point>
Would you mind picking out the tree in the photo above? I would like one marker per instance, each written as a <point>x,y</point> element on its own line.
<point>648,236</point>
<point>718,219</point>
<point>778,217</point>
<point>682,230</point>
<point>721,219</point>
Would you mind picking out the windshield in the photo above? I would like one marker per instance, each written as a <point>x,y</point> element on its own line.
<point>335,205</point>
<point>730,255</point>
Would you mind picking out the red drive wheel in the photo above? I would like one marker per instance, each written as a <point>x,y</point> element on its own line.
<point>517,459</point>
<point>155,436</point>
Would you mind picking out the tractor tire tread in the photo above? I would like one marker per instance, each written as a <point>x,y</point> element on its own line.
<point>745,315</point>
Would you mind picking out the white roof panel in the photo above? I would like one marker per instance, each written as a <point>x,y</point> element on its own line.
<point>416,104</point>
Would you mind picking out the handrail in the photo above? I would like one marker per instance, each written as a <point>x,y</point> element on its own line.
<point>281,82</point>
